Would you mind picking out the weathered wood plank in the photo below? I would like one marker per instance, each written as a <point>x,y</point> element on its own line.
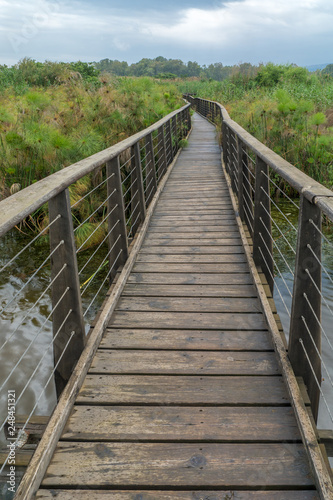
<point>190,304</point>
<point>185,320</point>
<point>132,290</point>
<point>126,338</point>
<point>231,232</point>
<point>221,228</point>
<point>190,279</point>
<point>185,249</point>
<point>191,242</point>
<point>169,423</point>
<point>184,362</point>
<point>165,267</point>
<point>180,258</point>
<point>183,390</point>
<point>180,495</point>
<point>164,464</point>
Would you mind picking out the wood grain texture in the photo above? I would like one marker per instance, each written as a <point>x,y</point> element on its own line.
<point>183,390</point>
<point>191,250</point>
<point>166,267</point>
<point>190,278</point>
<point>183,362</point>
<point>186,320</point>
<point>133,290</point>
<point>172,495</point>
<point>163,464</point>
<point>217,340</point>
<point>169,423</point>
<point>190,304</point>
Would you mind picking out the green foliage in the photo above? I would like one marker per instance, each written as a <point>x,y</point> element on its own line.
<point>287,108</point>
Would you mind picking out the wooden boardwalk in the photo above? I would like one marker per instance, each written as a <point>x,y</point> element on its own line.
<point>185,398</point>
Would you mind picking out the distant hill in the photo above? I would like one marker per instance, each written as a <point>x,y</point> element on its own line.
<point>314,67</point>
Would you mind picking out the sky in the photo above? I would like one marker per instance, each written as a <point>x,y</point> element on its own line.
<point>205,31</point>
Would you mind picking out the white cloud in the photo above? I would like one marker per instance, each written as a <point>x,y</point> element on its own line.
<point>236,21</point>
<point>251,30</point>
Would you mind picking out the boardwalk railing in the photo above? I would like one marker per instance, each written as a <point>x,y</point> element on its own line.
<point>293,251</point>
<point>101,199</point>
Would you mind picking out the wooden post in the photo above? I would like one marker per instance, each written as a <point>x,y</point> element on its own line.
<point>262,237</point>
<point>307,291</point>
<point>138,203</point>
<point>162,159</point>
<point>188,120</point>
<point>241,158</point>
<point>233,161</point>
<point>169,141</point>
<point>116,211</point>
<point>225,144</point>
<point>151,168</point>
<point>175,134</point>
<point>63,302</point>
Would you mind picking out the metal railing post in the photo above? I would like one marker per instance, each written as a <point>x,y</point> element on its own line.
<point>117,240</point>
<point>305,329</point>
<point>262,231</point>
<point>67,318</point>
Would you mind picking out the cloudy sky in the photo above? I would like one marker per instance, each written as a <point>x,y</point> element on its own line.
<point>206,31</point>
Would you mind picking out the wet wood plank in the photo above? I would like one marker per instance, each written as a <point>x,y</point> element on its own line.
<point>179,495</point>
<point>164,464</point>
<point>135,338</point>
<point>184,363</point>
<point>185,320</point>
<point>183,390</point>
<point>169,423</point>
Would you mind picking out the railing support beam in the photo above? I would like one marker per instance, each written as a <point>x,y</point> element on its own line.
<point>305,330</point>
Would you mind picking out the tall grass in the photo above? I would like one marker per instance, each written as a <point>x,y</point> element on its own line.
<point>287,108</point>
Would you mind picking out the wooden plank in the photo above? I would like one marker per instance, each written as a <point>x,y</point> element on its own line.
<point>169,423</point>
<point>188,258</point>
<point>165,267</point>
<point>164,464</point>
<point>223,227</point>
<point>231,232</point>
<point>184,320</point>
<point>191,242</point>
<point>226,215</point>
<point>179,495</point>
<point>185,249</point>
<point>183,390</point>
<point>190,279</point>
<point>132,290</point>
<point>126,338</point>
<point>184,362</point>
<point>185,224</point>
<point>190,304</point>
